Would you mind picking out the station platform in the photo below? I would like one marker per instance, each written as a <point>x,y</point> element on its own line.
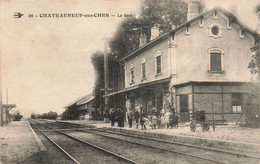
<point>229,136</point>
<point>19,144</point>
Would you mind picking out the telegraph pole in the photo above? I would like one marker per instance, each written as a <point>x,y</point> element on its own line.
<point>7,96</point>
<point>1,109</point>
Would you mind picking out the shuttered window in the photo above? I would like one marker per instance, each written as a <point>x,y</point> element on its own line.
<point>132,76</point>
<point>143,71</point>
<point>215,61</point>
<point>158,65</point>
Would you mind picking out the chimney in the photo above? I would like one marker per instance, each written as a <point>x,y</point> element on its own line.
<point>233,10</point>
<point>154,32</point>
<point>143,40</point>
<point>193,9</point>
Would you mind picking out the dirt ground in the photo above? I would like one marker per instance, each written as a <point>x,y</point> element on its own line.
<point>17,144</point>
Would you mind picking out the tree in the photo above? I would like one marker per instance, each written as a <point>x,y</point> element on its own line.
<point>97,59</point>
<point>254,64</point>
<point>52,115</point>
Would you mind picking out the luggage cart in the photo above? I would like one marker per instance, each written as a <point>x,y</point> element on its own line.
<point>205,125</point>
<point>200,120</point>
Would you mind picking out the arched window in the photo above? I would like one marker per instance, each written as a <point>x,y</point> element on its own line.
<point>143,69</point>
<point>158,62</point>
<point>215,59</point>
<point>132,74</point>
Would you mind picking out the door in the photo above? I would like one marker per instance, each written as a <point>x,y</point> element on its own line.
<point>184,109</point>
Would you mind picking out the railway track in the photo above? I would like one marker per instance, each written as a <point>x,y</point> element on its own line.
<point>118,158</point>
<point>208,154</point>
<point>237,154</point>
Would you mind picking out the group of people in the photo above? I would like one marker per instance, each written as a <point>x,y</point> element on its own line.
<point>160,120</point>
<point>155,120</point>
<point>117,116</point>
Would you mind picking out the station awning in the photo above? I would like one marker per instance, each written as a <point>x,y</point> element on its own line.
<point>163,80</point>
<point>122,91</point>
<point>8,106</point>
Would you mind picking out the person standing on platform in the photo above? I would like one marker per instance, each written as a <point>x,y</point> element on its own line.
<point>137,117</point>
<point>167,118</point>
<point>117,117</point>
<point>154,121</point>
<point>121,117</point>
<point>112,117</point>
<point>130,117</point>
<point>171,119</point>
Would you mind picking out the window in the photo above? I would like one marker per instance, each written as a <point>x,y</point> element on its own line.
<point>237,100</point>
<point>215,61</point>
<point>132,74</point>
<point>143,71</point>
<point>158,63</point>
<point>215,31</point>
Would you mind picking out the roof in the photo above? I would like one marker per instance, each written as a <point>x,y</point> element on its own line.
<point>81,101</point>
<point>228,14</point>
<point>86,99</point>
<point>213,81</point>
<point>232,17</point>
<point>9,105</point>
<point>167,79</point>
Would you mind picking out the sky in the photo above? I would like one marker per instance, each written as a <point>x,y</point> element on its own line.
<point>46,62</point>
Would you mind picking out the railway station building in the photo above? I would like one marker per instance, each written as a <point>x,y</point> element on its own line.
<point>199,65</point>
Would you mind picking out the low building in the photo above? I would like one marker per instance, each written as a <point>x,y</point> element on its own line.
<point>82,106</point>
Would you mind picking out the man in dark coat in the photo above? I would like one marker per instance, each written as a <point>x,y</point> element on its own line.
<point>137,117</point>
<point>121,118</point>
<point>117,118</point>
<point>175,120</point>
<point>130,117</point>
<point>112,117</point>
